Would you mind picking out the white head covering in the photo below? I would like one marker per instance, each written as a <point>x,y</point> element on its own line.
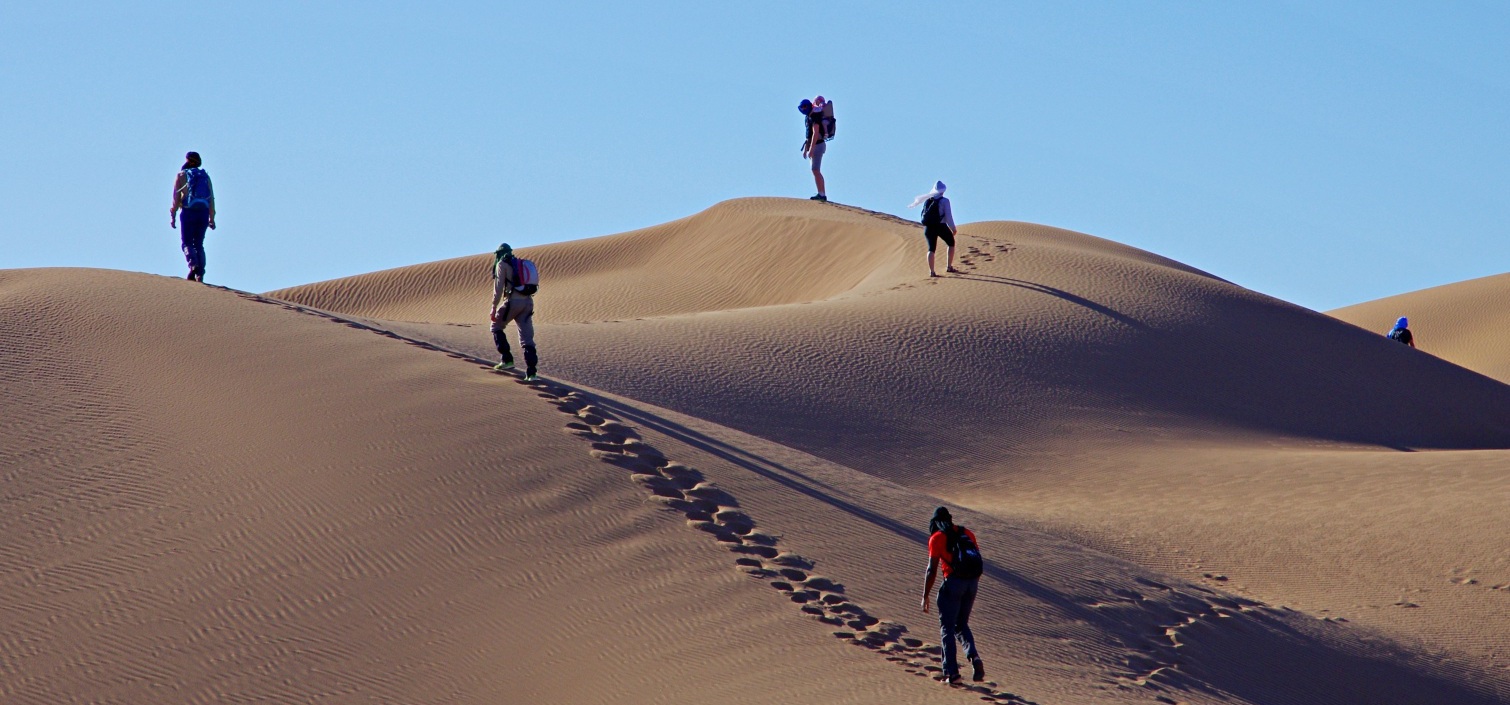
<point>938,190</point>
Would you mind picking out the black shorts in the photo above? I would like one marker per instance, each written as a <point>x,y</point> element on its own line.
<point>934,233</point>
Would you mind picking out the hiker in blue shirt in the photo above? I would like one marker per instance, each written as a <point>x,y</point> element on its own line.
<point>195,196</point>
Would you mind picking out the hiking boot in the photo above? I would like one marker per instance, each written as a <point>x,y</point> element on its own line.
<point>950,679</point>
<point>977,670</point>
<point>819,197</point>
<point>529,375</point>
<point>505,365</point>
<point>952,270</point>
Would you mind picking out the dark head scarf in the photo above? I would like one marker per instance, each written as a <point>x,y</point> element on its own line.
<point>941,521</point>
<point>502,253</point>
<point>192,160</point>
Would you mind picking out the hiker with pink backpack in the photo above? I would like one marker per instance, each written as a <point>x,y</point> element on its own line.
<point>519,280</point>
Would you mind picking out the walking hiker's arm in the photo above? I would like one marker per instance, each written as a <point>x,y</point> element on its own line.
<point>933,567</point>
<point>178,185</point>
<point>212,200</point>
<point>498,285</point>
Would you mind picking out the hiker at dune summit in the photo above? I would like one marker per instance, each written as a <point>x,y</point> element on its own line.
<point>818,129</point>
<point>1401,332</point>
<point>953,548</point>
<point>938,224</point>
<point>517,278</point>
<point>195,196</point>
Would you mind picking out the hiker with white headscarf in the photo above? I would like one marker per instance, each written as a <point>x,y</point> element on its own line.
<point>938,224</point>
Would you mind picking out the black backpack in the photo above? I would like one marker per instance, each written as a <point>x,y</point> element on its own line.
<point>965,562</point>
<point>933,213</point>
<point>1400,335</point>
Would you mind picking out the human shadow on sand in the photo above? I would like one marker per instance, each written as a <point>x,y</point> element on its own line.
<point>1057,293</point>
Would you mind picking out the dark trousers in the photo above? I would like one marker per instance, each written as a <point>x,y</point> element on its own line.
<point>192,224</point>
<point>934,233</point>
<point>956,598</point>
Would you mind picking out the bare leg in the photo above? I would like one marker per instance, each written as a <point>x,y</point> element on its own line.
<point>951,259</point>
<point>931,273</point>
<point>818,179</point>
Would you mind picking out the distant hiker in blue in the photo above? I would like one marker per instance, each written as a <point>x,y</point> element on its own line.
<point>519,279</point>
<point>938,224</point>
<point>1401,332</point>
<point>818,128</point>
<point>193,193</point>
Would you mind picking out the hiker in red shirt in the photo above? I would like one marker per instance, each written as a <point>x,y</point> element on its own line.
<point>955,548</point>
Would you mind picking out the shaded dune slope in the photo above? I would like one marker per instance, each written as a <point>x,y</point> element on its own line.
<point>1467,323</point>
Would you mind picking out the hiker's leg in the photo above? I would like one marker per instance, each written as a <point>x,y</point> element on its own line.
<point>948,606</point>
<point>933,243</point>
<point>948,239</point>
<point>966,603</point>
<point>193,223</point>
<point>817,157</point>
<point>500,340</point>
<point>526,321</point>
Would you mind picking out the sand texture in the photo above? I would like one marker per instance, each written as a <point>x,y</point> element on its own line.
<point>1187,492</point>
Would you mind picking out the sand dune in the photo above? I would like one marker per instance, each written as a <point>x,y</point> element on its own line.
<point>1464,323</point>
<point>1103,394</point>
<point>1189,492</point>
<point>208,499</point>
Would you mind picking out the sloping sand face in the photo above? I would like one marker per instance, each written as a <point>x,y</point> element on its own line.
<point>1464,323</point>
<point>1099,393</point>
<point>210,499</point>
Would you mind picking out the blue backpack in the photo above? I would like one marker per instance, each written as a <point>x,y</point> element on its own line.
<point>196,190</point>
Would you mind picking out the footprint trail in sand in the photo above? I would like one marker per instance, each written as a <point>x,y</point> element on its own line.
<point>708,508</point>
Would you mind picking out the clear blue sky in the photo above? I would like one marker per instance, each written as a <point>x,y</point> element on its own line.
<point>1325,153</point>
